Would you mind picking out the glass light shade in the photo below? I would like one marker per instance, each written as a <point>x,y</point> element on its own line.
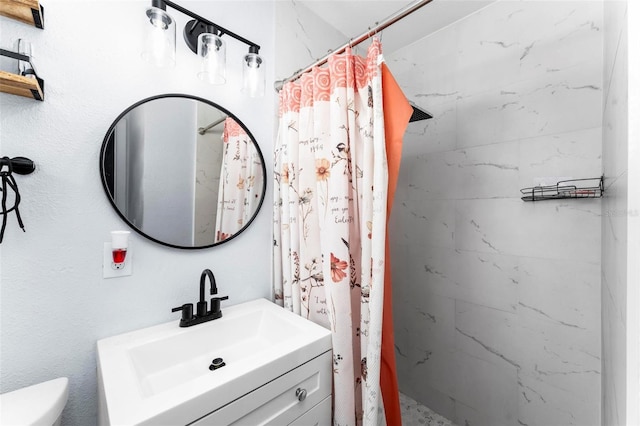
<point>160,38</point>
<point>213,59</point>
<point>253,76</point>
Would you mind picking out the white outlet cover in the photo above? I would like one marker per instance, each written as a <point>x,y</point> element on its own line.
<point>107,261</point>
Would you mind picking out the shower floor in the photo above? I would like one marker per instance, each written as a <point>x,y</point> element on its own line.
<point>416,414</point>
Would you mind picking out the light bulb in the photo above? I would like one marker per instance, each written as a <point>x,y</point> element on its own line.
<point>213,61</point>
<point>253,76</point>
<point>160,38</point>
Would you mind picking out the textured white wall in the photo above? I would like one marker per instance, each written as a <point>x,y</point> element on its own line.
<point>54,303</point>
<point>497,301</point>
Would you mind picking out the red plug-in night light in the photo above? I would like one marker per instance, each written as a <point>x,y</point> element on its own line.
<point>119,246</point>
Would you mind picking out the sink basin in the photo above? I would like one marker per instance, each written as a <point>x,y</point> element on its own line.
<point>161,375</point>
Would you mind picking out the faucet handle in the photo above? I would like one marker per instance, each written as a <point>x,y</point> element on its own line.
<point>215,303</point>
<point>187,311</point>
<point>201,308</point>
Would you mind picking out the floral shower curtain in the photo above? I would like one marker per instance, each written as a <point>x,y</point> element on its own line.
<point>240,181</point>
<point>330,196</point>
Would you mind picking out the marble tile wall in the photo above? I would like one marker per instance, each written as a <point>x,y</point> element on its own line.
<point>497,301</point>
<point>620,217</point>
<point>301,37</point>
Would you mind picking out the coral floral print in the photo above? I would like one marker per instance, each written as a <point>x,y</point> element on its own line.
<point>240,181</point>
<point>232,129</point>
<point>330,195</point>
<point>343,71</point>
<point>337,269</point>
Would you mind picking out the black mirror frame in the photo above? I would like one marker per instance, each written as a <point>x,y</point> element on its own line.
<point>196,98</point>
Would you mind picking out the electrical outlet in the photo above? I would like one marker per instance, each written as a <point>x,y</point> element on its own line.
<point>109,270</point>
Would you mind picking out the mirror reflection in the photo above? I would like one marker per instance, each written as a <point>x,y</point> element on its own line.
<point>183,171</point>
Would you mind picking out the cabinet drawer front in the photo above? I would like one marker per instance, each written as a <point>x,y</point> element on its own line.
<point>320,415</point>
<point>276,403</point>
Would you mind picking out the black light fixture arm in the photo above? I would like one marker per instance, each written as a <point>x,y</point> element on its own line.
<point>162,4</point>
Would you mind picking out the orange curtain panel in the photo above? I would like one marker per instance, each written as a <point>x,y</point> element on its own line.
<point>397,112</point>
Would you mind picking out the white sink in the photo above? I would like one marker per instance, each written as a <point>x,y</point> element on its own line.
<point>161,375</point>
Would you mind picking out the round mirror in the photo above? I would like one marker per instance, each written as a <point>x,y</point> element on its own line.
<point>182,171</point>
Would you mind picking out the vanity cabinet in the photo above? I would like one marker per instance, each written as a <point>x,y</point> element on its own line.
<point>278,370</point>
<point>320,415</point>
<point>300,397</point>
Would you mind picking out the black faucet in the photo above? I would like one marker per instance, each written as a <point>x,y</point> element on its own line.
<point>202,313</point>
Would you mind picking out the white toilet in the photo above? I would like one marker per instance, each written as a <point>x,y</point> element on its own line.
<point>37,405</point>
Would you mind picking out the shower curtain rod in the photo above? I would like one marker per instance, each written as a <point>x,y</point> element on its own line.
<point>203,130</point>
<point>353,42</point>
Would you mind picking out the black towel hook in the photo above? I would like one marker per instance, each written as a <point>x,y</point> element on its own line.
<point>19,165</point>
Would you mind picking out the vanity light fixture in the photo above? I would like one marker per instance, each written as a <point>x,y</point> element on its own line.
<point>160,38</point>
<point>204,38</point>
<point>213,61</point>
<point>253,77</point>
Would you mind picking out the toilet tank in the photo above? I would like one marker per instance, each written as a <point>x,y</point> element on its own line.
<point>40,404</point>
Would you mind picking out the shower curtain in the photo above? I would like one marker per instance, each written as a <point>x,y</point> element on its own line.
<point>240,181</point>
<point>330,196</point>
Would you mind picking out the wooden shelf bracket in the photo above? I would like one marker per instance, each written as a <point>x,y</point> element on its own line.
<point>29,85</point>
<point>30,12</point>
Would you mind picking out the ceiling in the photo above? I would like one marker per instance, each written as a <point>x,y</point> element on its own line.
<point>354,17</point>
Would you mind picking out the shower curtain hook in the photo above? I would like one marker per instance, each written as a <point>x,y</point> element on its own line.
<point>378,32</point>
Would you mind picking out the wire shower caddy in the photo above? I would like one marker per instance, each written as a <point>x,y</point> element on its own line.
<point>573,188</point>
